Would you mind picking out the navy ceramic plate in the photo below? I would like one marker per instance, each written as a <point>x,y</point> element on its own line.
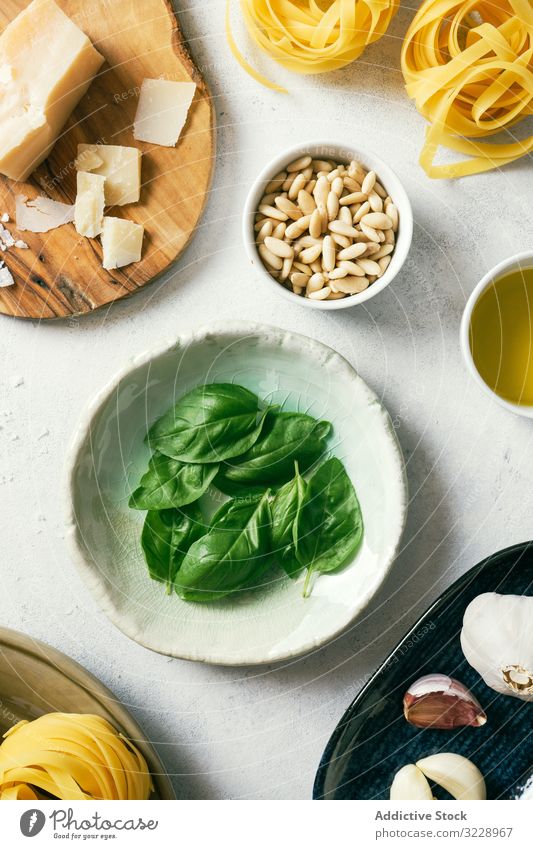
<point>373,740</point>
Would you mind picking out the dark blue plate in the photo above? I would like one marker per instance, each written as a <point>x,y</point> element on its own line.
<point>373,740</point>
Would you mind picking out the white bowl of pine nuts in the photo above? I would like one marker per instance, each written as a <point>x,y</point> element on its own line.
<point>328,225</point>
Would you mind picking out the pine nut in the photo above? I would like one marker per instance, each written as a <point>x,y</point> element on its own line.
<point>288,182</point>
<point>389,237</point>
<point>306,202</point>
<point>310,254</point>
<point>392,212</point>
<point>379,190</point>
<point>333,175</point>
<point>332,206</point>
<point>350,285</point>
<point>269,258</point>
<point>383,263</point>
<point>286,268</point>
<point>299,279</point>
<point>289,208</point>
<point>297,185</point>
<point>272,212</point>
<point>316,282</point>
<point>310,186</point>
<point>368,266</point>
<point>279,247</point>
<point>279,231</point>
<point>337,273</point>
<point>337,186</point>
<point>276,182</point>
<point>308,242</point>
<point>321,191</point>
<point>299,164</point>
<point>352,268</point>
<point>321,295</point>
<point>303,269</point>
<point>385,250</point>
<point>315,225</point>
<point>321,165</point>
<point>299,227</point>
<point>372,248</point>
<point>334,296</point>
<point>316,267</point>
<point>345,215</point>
<point>341,241</point>
<point>354,197</point>
<point>364,209</point>
<point>266,230</point>
<point>268,200</point>
<point>328,253</point>
<point>369,232</point>
<point>368,182</point>
<point>352,252</point>
<point>297,290</point>
<point>352,185</point>
<point>342,229</point>
<point>376,204</point>
<point>377,220</point>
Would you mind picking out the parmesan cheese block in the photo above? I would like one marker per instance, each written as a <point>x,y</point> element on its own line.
<point>121,167</point>
<point>89,209</point>
<point>162,111</point>
<point>46,66</point>
<point>121,241</point>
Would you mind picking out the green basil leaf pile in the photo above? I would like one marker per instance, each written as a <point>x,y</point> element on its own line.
<point>286,438</point>
<point>234,554</point>
<point>166,538</point>
<point>221,436</point>
<point>209,424</point>
<point>171,483</point>
<point>329,526</point>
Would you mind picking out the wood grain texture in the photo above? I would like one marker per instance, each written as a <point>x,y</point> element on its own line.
<point>61,273</point>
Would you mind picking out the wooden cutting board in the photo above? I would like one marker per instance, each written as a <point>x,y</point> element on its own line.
<point>61,273</point>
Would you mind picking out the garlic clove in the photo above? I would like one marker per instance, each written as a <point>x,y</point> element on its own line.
<point>410,783</point>
<point>438,701</point>
<point>459,776</point>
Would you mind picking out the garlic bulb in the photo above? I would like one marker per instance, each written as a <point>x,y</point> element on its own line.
<point>497,640</point>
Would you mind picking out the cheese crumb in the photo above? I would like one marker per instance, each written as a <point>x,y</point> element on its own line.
<point>5,218</point>
<point>6,278</point>
<point>41,214</point>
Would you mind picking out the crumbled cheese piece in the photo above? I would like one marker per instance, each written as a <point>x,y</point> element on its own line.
<point>162,111</point>
<point>89,208</point>
<point>6,278</point>
<point>6,238</point>
<point>20,244</point>
<point>121,167</point>
<point>5,218</point>
<point>121,242</point>
<point>42,214</point>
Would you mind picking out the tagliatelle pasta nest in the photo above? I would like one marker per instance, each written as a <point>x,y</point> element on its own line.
<point>469,68</point>
<point>312,36</point>
<point>71,757</point>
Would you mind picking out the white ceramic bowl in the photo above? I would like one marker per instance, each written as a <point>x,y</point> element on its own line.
<point>519,261</point>
<point>343,153</point>
<point>108,456</point>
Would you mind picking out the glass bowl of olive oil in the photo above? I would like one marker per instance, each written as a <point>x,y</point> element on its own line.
<point>497,333</point>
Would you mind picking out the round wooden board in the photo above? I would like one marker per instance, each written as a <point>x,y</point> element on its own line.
<point>61,273</point>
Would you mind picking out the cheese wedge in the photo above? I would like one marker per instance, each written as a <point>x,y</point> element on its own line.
<point>46,66</point>
<point>121,242</point>
<point>162,111</point>
<point>121,167</point>
<point>89,208</point>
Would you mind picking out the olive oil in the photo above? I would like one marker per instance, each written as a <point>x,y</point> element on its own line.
<point>501,336</point>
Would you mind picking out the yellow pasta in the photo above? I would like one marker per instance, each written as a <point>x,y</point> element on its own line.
<point>469,68</point>
<point>71,756</point>
<point>312,36</point>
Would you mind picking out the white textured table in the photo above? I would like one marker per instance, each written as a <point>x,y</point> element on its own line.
<point>260,732</point>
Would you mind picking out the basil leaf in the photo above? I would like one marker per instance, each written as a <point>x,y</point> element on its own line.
<point>286,507</point>
<point>166,537</point>
<point>329,525</point>
<point>171,483</point>
<point>211,423</point>
<point>286,438</point>
<point>234,552</point>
